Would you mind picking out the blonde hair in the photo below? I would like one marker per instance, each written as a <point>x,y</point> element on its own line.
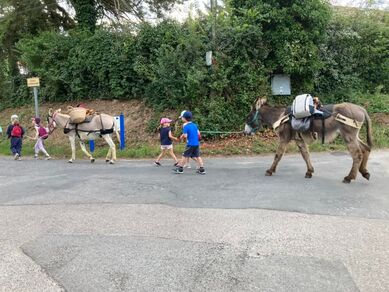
<point>14,118</point>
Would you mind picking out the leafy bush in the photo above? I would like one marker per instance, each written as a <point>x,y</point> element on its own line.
<point>375,103</point>
<point>164,64</point>
<point>80,65</point>
<point>355,56</point>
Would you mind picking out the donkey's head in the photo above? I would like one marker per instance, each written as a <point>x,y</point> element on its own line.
<point>254,120</point>
<point>53,113</point>
<point>51,119</point>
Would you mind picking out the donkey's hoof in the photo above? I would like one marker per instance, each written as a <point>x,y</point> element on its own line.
<point>308,175</point>
<point>366,175</point>
<point>70,161</point>
<point>92,160</point>
<point>347,180</point>
<point>107,160</point>
<point>111,162</point>
<point>269,173</point>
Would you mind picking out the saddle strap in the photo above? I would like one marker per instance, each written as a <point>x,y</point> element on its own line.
<point>349,122</point>
<point>76,129</point>
<point>281,121</point>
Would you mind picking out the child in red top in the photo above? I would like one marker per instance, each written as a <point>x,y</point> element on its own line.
<point>15,133</point>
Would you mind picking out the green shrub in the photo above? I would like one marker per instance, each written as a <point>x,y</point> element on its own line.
<point>80,65</point>
<point>333,55</point>
<point>374,103</point>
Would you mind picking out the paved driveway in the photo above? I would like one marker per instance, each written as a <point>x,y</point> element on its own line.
<point>135,227</point>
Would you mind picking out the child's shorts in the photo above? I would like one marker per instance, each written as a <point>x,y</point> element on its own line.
<point>166,147</point>
<point>192,151</point>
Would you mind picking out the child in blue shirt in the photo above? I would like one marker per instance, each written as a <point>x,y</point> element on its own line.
<point>191,133</point>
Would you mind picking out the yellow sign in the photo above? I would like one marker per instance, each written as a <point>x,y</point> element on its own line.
<point>33,82</point>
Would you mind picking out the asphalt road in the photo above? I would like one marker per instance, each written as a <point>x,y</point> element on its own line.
<point>136,227</point>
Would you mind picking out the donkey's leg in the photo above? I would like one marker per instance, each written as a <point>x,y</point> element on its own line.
<point>280,152</point>
<point>356,154</point>
<point>112,148</point>
<point>366,153</point>
<point>83,148</point>
<point>307,157</point>
<point>109,155</point>
<point>72,140</point>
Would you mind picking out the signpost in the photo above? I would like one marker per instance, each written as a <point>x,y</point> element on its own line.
<point>34,83</point>
<point>122,132</point>
<point>92,146</point>
<point>208,58</point>
<point>214,10</point>
<point>280,84</point>
<point>120,126</point>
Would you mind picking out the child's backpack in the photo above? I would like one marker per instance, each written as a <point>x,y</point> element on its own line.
<point>17,131</point>
<point>43,132</point>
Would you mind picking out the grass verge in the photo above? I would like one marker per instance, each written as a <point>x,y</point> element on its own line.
<point>264,143</point>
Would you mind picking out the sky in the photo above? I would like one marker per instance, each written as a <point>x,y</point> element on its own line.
<point>182,10</point>
<point>384,4</point>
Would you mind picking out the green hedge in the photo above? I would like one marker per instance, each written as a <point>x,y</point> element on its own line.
<point>332,55</point>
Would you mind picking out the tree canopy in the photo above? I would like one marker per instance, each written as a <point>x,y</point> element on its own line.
<point>89,11</point>
<point>23,18</point>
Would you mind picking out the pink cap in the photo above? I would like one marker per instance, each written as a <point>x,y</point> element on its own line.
<point>165,120</point>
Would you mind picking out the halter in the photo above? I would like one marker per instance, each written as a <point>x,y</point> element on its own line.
<point>51,125</point>
<point>255,121</point>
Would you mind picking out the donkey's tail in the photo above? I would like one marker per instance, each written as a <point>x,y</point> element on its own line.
<point>369,129</point>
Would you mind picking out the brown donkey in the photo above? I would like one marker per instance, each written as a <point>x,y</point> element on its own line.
<point>346,120</point>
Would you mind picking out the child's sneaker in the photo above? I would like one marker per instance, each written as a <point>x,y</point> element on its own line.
<point>201,170</point>
<point>178,170</point>
<point>17,156</point>
<point>36,157</point>
<point>157,163</point>
<point>48,157</point>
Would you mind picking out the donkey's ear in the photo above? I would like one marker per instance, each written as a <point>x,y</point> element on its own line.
<point>50,111</point>
<point>260,102</point>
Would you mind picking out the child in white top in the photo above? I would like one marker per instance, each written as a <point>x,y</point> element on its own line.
<point>41,134</point>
